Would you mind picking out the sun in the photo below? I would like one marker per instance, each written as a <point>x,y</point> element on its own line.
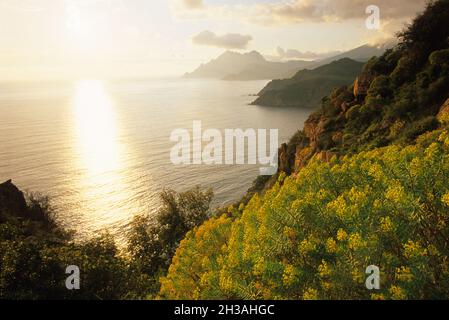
<point>73,20</point>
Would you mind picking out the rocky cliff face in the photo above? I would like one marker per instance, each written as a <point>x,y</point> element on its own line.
<point>314,127</point>
<point>325,126</point>
<point>284,161</point>
<point>362,85</point>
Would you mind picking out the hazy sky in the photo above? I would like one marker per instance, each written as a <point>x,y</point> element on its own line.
<point>101,38</point>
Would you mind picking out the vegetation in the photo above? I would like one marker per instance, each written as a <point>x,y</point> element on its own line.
<point>153,240</point>
<point>308,87</point>
<point>313,235</point>
<point>35,251</point>
<point>381,200</point>
<point>366,185</point>
<point>405,89</point>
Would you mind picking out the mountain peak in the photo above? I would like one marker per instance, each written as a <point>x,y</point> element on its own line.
<point>229,54</point>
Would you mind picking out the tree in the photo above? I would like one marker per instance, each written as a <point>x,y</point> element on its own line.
<point>153,240</point>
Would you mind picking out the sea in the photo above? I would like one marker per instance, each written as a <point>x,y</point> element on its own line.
<point>100,149</point>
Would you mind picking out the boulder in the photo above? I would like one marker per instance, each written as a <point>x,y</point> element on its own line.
<point>325,156</point>
<point>313,129</point>
<point>12,200</point>
<point>284,161</point>
<point>362,85</point>
<point>302,156</point>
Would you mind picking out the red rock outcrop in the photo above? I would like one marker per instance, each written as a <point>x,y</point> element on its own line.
<point>362,85</point>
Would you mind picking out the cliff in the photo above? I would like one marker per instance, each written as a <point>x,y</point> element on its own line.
<point>392,101</point>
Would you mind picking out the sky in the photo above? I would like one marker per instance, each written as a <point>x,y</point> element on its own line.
<point>52,39</point>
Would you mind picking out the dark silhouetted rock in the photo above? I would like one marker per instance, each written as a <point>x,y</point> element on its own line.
<point>12,200</point>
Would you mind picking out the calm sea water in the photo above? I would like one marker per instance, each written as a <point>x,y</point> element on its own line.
<point>101,150</point>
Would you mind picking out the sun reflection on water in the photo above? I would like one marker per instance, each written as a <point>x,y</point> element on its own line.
<point>102,188</point>
<point>96,128</point>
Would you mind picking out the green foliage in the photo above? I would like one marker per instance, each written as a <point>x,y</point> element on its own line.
<point>34,267</point>
<point>200,252</point>
<point>382,88</point>
<point>313,235</point>
<point>35,251</point>
<point>440,57</point>
<point>308,87</point>
<point>429,31</point>
<point>384,64</point>
<point>153,240</point>
<point>420,127</point>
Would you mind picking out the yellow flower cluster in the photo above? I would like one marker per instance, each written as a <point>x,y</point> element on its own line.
<point>404,274</point>
<point>414,250</point>
<point>331,245</point>
<point>355,241</point>
<point>310,294</point>
<point>395,193</point>
<point>356,196</point>
<point>327,285</point>
<point>416,167</point>
<point>324,270</point>
<point>376,172</point>
<point>397,293</point>
<point>259,267</point>
<point>289,275</point>
<point>386,225</point>
<point>445,199</point>
<point>306,246</point>
<point>357,276</point>
<point>341,235</point>
<point>444,137</point>
<point>338,206</point>
<point>377,296</point>
<point>290,233</point>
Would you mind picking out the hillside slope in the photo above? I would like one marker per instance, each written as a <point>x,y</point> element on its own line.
<point>308,87</point>
<point>364,184</point>
<point>361,54</point>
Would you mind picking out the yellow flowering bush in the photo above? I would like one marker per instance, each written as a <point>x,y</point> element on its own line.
<point>312,236</point>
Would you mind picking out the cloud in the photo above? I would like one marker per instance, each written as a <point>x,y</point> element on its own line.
<point>328,10</point>
<point>297,11</point>
<point>227,41</point>
<point>191,4</point>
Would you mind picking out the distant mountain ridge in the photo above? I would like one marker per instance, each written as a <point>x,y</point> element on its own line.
<point>247,66</point>
<point>308,87</point>
<point>253,66</point>
<point>361,54</point>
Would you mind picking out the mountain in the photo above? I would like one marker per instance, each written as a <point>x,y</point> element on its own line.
<point>247,66</point>
<point>361,54</point>
<point>308,87</point>
<point>253,66</point>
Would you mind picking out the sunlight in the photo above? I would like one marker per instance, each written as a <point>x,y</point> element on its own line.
<point>73,20</point>
<point>84,29</point>
<point>95,127</point>
<point>101,157</point>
